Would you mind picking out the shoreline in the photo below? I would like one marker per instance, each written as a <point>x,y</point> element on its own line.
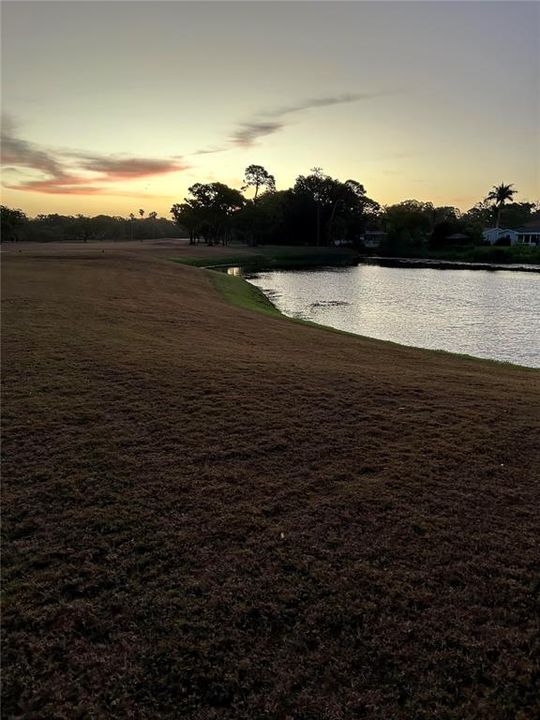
<point>428,263</point>
<point>253,298</point>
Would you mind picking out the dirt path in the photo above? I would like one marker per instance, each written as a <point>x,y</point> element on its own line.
<point>209,513</point>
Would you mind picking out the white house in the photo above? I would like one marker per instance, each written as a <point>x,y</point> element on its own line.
<point>528,235</point>
<point>493,235</point>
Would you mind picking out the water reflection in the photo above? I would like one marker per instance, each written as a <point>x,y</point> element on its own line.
<point>487,314</point>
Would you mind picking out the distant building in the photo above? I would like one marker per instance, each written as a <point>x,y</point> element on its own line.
<point>495,235</point>
<point>373,238</point>
<point>528,235</point>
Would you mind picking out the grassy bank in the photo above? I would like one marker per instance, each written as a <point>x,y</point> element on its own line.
<point>240,293</point>
<point>274,257</point>
<point>209,512</point>
<point>292,258</point>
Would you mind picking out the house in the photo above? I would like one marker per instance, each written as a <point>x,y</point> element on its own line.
<point>529,234</point>
<point>496,235</point>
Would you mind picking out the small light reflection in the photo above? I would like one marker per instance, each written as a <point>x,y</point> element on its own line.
<point>237,271</point>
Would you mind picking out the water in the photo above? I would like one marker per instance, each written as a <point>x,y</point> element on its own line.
<point>477,312</point>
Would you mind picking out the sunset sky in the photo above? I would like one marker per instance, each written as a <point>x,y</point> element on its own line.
<point>112,106</point>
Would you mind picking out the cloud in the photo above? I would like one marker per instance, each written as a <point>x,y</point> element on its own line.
<point>210,150</point>
<point>68,185</point>
<point>248,132</point>
<point>74,173</point>
<point>273,120</point>
<point>21,153</point>
<point>129,168</point>
<point>310,103</point>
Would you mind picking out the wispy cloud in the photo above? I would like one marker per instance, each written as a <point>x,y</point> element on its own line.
<point>210,150</point>
<point>327,101</point>
<point>272,120</point>
<point>248,132</point>
<point>119,168</point>
<point>21,153</point>
<point>74,173</point>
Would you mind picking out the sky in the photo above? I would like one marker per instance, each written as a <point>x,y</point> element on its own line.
<point>108,107</point>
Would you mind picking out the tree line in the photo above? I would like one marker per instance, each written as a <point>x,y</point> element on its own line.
<point>317,210</point>
<point>62,228</point>
<point>321,210</point>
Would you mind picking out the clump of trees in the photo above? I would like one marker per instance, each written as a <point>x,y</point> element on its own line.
<point>318,210</point>
<point>16,226</point>
<point>209,212</point>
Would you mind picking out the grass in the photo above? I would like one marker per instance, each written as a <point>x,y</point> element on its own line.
<point>209,512</point>
<point>275,257</point>
<point>241,294</point>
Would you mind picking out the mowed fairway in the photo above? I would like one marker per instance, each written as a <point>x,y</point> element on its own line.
<point>212,513</point>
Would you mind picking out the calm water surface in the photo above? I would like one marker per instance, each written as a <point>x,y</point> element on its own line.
<point>482,313</point>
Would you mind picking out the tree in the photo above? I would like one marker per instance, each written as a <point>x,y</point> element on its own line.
<point>330,209</point>
<point>408,225</point>
<point>152,216</point>
<point>256,176</point>
<point>141,213</point>
<point>208,211</point>
<point>12,221</point>
<point>515,215</point>
<point>188,218</point>
<point>499,195</point>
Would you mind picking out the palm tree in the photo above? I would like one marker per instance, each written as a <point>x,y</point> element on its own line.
<point>500,194</point>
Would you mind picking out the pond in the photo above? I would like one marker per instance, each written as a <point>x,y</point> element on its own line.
<point>477,312</point>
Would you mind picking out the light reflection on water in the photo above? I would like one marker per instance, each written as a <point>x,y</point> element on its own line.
<point>477,312</point>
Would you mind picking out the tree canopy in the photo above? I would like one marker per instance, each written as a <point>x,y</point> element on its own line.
<point>256,176</point>
<point>499,194</point>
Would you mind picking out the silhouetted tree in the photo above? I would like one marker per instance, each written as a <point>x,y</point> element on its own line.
<point>152,217</point>
<point>11,222</point>
<point>256,176</point>
<point>499,195</point>
<point>323,203</point>
<point>208,211</point>
<point>514,215</point>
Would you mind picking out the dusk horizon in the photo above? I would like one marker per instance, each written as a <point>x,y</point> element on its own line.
<point>108,107</point>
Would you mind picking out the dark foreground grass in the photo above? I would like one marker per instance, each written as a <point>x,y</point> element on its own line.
<point>212,513</point>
